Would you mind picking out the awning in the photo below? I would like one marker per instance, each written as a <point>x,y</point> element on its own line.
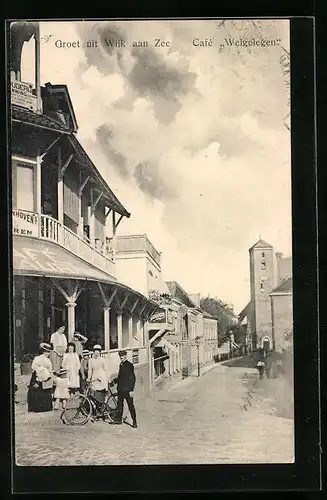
<point>35,257</point>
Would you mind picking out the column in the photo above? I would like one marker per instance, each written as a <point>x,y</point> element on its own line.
<point>23,316</point>
<point>38,191</point>
<point>37,70</point>
<point>139,333</point>
<point>106,323</point>
<point>71,319</point>
<point>130,331</point>
<point>60,191</point>
<point>120,329</point>
<point>52,301</point>
<point>91,218</point>
<point>80,231</point>
<point>40,314</point>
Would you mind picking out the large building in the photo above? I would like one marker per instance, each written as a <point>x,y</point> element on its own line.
<point>178,320</point>
<point>64,222</point>
<point>268,269</point>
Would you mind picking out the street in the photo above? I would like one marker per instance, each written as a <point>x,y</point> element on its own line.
<point>225,416</point>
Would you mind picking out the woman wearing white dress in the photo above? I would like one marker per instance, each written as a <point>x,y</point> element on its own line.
<point>97,373</point>
<point>59,343</point>
<point>39,397</point>
<point>72,364</point>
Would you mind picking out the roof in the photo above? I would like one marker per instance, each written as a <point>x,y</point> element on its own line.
<point>179,293</point>
<point>286,286</point>
<point>63,89</point>
<point>87,162</point>
<point>245,311</point>
<point>261,244</point>
<point>39,120</point>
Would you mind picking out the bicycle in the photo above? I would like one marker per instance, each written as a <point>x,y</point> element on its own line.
<point>83,407</point>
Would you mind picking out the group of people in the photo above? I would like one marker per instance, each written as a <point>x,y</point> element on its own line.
<point>63,368</point>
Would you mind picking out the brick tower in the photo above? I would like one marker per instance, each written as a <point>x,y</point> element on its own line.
<point>263,278</point>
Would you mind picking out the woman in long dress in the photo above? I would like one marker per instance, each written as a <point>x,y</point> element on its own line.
<point>39,395</point>
<point>97,373</point>
<point>59,342</point>
<point>72,364</point>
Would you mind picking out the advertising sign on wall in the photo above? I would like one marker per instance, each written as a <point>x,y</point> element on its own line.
<point>22,95</point>
<point>25,223</point>
<point>159,316</point>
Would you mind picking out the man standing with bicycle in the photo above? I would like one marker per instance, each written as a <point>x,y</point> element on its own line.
<point>125,388</point>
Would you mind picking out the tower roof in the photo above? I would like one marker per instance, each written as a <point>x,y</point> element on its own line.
<point>261,244</point>
<point>286,286</point>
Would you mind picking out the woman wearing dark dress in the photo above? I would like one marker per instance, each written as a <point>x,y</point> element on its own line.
<point>39,396</point>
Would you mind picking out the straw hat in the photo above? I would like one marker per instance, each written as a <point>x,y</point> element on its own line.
<point>85,352</point>
<point>45,346</point>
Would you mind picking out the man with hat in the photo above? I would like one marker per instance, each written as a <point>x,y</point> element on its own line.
<point>125,388</point>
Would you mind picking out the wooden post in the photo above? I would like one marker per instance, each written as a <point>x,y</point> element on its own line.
<point>106,324</point>
<point>60,190</point>
<point>52,301</point>
<point>91,218</point>
<point>139,333</point>
<point>23,315</point>
<point>37,70</point>
<point>114,234</point>
<point>130,331</point>
<point>38,190</point>
<point>40,314</point>
<point>120,329</point>
<point>71,319</point>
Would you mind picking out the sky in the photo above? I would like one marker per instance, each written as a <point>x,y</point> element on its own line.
<point>192,139</point>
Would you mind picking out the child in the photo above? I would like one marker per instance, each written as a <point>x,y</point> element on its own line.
<point>61,393</point>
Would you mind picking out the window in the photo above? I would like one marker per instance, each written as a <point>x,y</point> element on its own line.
<point>263,254</point>
<point>263,265</point>
<point>23,186</point>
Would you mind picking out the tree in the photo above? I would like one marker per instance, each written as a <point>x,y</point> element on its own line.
<point>223,313</point>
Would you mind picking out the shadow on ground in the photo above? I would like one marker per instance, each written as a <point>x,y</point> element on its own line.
<point>248,361</point>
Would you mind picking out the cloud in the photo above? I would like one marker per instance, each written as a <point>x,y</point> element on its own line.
<point>104,136</point>
<point>191,140</point>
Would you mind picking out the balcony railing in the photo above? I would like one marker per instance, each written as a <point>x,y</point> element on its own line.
<point>50,229</point>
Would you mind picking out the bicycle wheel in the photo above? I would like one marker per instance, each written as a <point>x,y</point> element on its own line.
<point>111,408</point>
<point>78,410</point>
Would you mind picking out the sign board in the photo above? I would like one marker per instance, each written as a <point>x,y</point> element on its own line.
<point>25,223</point>
<point>169,316</point>
<point>158,317</point>
<point>22,95</point>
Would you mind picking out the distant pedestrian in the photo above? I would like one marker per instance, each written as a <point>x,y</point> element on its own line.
<point>125,388</point>
<point>59,342</point>
<point>61,393</point>
<point>72,364</point>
